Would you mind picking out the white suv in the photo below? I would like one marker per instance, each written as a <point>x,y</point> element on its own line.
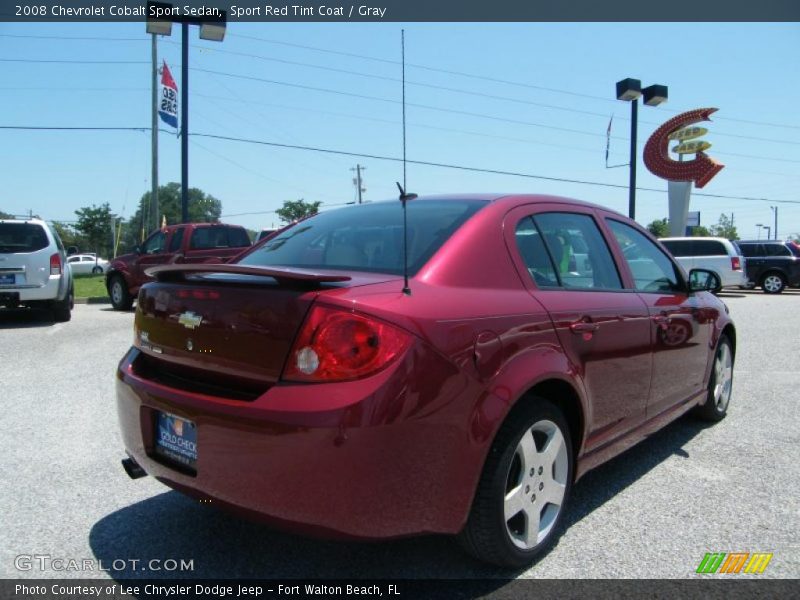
<point>33,268</point>
<point>716,254</point>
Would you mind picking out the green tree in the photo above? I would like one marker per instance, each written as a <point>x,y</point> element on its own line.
<point>294,210</point>
<point>700,231</point>
<point>70,237</point>
<point>724,228</point>
<point>95,225</point>
<point>5,215</point>
<point>659,228</point>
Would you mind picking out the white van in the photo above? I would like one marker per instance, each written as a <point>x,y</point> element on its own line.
<point>716,254</point>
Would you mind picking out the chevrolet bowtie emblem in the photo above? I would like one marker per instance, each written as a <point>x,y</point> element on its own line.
<point>190,320</point>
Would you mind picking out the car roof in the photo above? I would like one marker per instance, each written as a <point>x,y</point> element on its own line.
<point>688,238</point>
<point>514,199</point>
<point>31,221</point>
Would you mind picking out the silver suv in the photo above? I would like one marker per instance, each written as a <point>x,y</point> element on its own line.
<point>716,254</point>
<point>33,268</point>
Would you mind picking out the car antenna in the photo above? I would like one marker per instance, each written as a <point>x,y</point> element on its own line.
<point>404,198</point>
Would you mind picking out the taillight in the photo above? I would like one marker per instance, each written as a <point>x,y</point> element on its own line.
<point>55,264</point>
<point>199,294</point>
<point>336,345</point>
<point>736,263</point>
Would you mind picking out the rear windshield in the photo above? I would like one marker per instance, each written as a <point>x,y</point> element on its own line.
<point>22,237</point>
<point>206,238</point>
<point>368,237</point>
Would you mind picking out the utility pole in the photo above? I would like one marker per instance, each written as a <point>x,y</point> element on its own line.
<point>358,182</point>
<point>775,229</point>
<point>154,137</point>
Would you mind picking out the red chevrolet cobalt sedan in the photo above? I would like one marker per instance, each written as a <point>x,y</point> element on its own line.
<point>302,384</point>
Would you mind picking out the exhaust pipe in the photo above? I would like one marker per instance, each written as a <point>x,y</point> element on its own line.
<point>133,469</point>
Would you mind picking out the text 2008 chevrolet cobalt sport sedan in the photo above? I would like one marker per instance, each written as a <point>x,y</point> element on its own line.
<point>539,337</point>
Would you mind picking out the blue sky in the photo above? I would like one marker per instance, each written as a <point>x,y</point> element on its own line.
<point>532,98</point>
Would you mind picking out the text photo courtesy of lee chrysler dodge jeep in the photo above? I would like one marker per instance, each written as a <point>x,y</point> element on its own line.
<point>175,244</point>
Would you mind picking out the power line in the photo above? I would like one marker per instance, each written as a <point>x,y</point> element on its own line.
<point>396,159</point>
<point>75,62</point>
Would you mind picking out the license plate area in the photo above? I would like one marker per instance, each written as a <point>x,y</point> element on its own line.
<point>175,441</point>
<point>7,279</point>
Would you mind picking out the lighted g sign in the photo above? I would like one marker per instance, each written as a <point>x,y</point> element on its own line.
<point>656,152</point>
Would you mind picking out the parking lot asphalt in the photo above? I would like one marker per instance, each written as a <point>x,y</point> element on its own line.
<point>653,512</point>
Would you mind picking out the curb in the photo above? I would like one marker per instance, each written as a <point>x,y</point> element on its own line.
<point>93,300</point>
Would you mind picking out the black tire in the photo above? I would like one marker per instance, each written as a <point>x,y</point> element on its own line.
<point>773,283</point>
<point>488,535</point>
<point>62,309</point>
<point>97,270</point>
<point>716,406</point>
<point>121,298</point>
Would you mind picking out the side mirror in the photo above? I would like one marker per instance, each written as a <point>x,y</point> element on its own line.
<point>137,249</point>
<point>703,280</point>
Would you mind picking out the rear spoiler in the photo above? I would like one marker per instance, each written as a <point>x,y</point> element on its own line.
<point>281,274</point>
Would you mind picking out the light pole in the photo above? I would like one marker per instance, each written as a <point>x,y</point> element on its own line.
<point>629,90</point>
<point>768,228</point>
<point>758,230</point>
<point>211,28</point>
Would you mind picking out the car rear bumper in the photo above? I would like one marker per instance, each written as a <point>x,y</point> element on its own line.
<point>734,278</point>
<point>49,291</point>
<point>377,458</point>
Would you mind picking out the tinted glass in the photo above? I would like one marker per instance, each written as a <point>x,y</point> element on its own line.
<point>564,234</point>
<point>777,250</point>
<point>73,259</point>
<point>751,249</point>
<point>709,248</point>
<point>237,238</point>
<point>679,247</point>
<point>155,243</point>
<point>176,240</point>
<point>535,255</point>
<point>367,237</point>
<point>206,238</point>
<point>22,237</point>
<point>652,270</point>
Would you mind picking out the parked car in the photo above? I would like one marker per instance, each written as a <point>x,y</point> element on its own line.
<point>771,264</point>
<point>302,384</point>
<point>33,268</point>
<point>187,243</point>
<point>87,264</point>
<point>716,254</point>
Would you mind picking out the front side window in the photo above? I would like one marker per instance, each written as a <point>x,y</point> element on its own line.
<point>652,270</point>
<point>367,237</point>
<point>176,240</point>
<point>155,243</point>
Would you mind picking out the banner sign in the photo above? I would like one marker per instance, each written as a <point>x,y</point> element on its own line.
<point>168,102</point>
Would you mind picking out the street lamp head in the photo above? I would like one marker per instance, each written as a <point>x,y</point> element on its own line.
<point>213,30</point>
<point>629,89</point>
<point>655,95</point>
<point>159,26</point>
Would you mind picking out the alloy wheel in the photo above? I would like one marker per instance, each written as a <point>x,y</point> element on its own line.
<point>723,380</point>
<point>536,484</point>
<point>773,283</point>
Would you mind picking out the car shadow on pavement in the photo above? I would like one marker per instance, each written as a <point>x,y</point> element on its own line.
<point>22,318</point>
<point>173,526</point>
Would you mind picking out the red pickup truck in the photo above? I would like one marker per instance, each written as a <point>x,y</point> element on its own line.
<point>186,243</point>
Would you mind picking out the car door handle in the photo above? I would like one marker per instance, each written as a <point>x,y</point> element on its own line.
<point>583,327</point>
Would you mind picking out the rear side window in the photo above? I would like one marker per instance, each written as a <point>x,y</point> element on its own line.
<point>679,247</point>
<point>206,238</point>
<point>777,250</point>
<point>22,237</point>
<point>569,246</point>
<point>237,238</point>
<point>367,237</point>
<point>709,248</point>
<point>652,270</point>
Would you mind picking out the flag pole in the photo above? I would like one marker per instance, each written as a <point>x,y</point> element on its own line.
<point>154,136</point>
